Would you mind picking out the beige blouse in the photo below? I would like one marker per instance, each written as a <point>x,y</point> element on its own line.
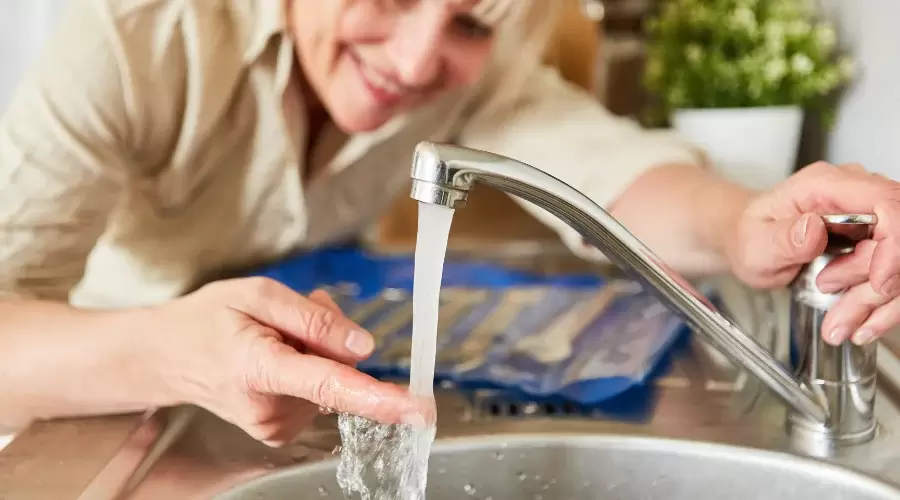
<point>157,142</point>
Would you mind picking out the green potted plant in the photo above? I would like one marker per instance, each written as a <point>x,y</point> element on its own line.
<point>736,77</point>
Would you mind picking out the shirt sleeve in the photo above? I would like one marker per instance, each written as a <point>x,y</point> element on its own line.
<point>562,130</point>
<point>62,145</point>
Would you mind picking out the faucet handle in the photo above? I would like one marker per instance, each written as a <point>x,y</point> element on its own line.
<point>846,230</point>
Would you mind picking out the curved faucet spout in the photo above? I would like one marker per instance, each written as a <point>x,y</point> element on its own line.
<point>443,174</point>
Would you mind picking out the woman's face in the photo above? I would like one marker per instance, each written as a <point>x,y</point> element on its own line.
<point>368,60</point>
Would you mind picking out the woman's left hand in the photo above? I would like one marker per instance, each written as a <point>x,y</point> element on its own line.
<point>782,229</point>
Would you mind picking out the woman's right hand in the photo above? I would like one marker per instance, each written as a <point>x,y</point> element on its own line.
<point>266,359</point>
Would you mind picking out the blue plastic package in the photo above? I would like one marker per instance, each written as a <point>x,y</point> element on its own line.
<point>574,338</point>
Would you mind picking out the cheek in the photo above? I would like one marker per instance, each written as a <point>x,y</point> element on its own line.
<point>315,39</point>
<point>465,67</point>
<point>361,21</point>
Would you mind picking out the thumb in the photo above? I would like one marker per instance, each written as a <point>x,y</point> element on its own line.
<point>322,298</point>
<point>777,248</point>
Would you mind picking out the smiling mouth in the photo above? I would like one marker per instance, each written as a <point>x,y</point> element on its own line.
<point>383,87</point>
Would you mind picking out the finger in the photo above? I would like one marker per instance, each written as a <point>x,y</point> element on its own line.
<point>333,385</point>
<point>841,190</point>
<point>324,299</point>
<point>885,268</point>
<point>847,270</point>
<point>779,247</point>
<point>853,168</point>
<point>295,416</point>
<point>848,314</point>
<point>321,329</point>
<point>880,322</point>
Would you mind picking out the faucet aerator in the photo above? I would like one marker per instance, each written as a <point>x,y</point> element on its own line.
<point>435,194</point>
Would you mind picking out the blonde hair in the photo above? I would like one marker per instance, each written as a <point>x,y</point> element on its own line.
<point>521,44</point>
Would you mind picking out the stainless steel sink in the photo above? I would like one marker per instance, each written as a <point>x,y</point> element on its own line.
<point>711,431</point>
<point>595,467</point>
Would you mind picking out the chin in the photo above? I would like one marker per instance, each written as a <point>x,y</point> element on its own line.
<point>354,122</point>
<point>357,125</point>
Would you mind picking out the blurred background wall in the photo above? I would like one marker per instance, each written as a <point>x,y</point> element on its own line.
<point>868,126</point>
<point>24,25</point>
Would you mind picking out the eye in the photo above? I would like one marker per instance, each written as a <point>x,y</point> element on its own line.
<point>469,27</point>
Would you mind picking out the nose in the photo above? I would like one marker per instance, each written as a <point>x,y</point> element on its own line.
<point>415,47</point>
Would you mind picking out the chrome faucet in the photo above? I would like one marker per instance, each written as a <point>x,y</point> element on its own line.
<point>831,394</point>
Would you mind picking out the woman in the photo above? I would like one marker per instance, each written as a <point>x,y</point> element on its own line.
<point>159,142</point>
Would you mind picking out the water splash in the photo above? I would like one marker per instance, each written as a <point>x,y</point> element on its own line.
<point>390,462</point>
<point>382,461</point>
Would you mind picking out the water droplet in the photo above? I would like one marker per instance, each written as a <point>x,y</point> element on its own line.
<point>522,476</point>
<point>442,471</point>
<point>537,477</point>
<point>498,455</point>
<point>323,492</point>
<point>469,489</point>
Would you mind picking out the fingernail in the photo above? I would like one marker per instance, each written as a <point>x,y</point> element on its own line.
<point>836,336</point>
<point>891,287</point>
<point>360,343</point>
<point>828,287</point>
<point>798,234</point>
<point>863,336</point>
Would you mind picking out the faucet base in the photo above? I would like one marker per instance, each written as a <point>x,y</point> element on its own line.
<point>815,439</point>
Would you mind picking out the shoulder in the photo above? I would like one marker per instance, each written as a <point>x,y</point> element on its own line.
<point>141,58</point>
<point>152,10</point>
<point>157,24</point>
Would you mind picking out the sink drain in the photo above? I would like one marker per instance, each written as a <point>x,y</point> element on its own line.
<point>493,406</point>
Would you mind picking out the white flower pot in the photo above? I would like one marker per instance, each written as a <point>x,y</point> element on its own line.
<point>756,147</point>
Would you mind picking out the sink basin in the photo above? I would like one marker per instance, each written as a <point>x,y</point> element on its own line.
<point>596,467</point>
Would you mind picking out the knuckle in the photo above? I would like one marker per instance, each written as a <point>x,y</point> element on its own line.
<point>257,288</point>
<point>852,167</point>
<point>276,442</point>
<point>320,323</point>
<point>259,374</point>
<point>323,394</point>
<point>888,210</point>
<point>260,415</point>
<point>215,289</point>
<point>818,168</point>
<point>265,432</point>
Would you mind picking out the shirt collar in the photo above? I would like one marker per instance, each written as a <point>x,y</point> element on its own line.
<point>258,21</point>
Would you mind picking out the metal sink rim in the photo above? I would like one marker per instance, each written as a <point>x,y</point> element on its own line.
<point>796,463</point>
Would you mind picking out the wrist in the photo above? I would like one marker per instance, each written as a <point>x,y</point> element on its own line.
<point>186,364</point>
<point>735,203</point>
<point>154,347</point>
<point>98,362</point>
